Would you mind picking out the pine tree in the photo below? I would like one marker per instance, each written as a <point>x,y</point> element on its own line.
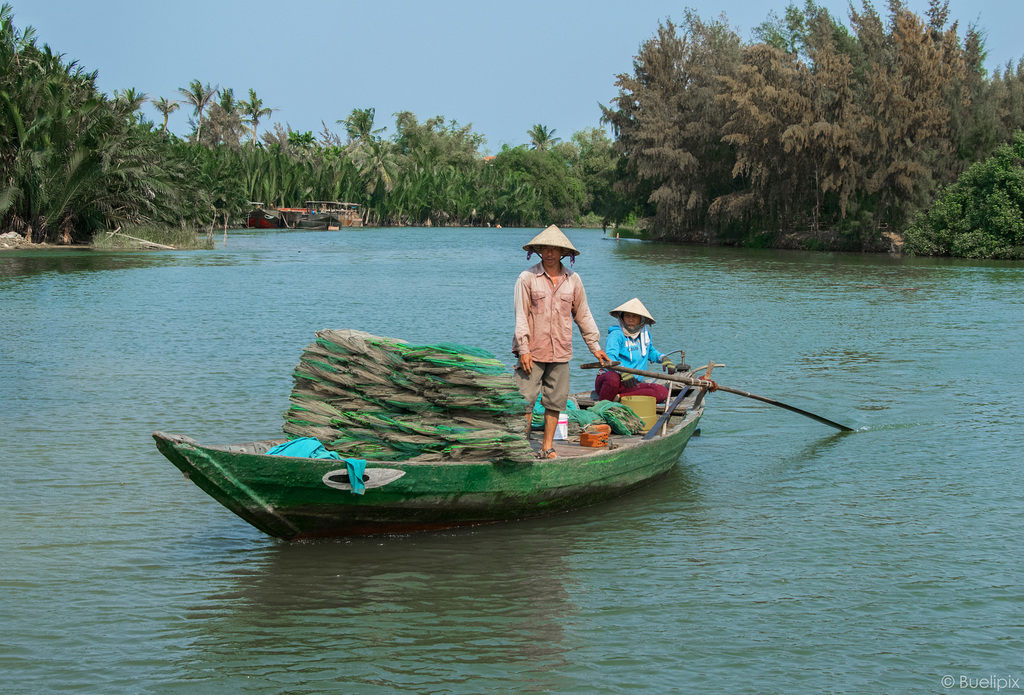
<point>668,124</point>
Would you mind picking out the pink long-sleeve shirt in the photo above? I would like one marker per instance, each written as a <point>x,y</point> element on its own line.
<point>544,315</point>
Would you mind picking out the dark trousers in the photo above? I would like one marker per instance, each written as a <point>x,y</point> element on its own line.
<point>609,385</point>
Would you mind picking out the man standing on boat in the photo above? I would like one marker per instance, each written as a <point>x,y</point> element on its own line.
<point>548,298</point>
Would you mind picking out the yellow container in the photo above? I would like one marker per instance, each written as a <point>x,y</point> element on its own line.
<point>644,406</point>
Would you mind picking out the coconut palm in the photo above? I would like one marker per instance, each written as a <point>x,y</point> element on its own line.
<point>131,98</point>
<point>359,125</point>
<point>166,107</point>
<point>228,101</point>
<point>254,111</point>
<point>376,162</point>
<point>199,96</point>
<point>71,160</point>
<point>541,138</point>
<point>78,162</point>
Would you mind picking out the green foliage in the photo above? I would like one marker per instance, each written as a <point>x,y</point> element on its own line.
<point>182,238</point>
<point>981,215</point>
<point>560,194</point>
<point>437,141</point>
<point>75,163</point>
<point>71,161</point>
<point>541,138</point>
<point>253,111</point>
<point>199,96</point>
<point>669,125</point>
<point>596,165</point>
<point>166,107</point>
<point>817,130</point>
<point>825,135</point>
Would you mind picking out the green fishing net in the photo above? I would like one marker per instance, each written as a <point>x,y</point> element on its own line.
<point>367,396</point>
<point>620,417</point>
<point>583,418</point>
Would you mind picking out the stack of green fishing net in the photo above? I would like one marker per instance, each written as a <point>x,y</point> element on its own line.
<point>370,397</point>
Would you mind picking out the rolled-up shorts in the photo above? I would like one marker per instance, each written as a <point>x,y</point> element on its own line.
<point>550,379</point>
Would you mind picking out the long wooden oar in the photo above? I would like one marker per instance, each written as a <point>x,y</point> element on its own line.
<point>692,381</point>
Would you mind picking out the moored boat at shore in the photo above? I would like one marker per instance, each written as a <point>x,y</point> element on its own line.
<point>290,216</point>
<point>329,215</point>
<point>261,217</point>
<point>317,215</point>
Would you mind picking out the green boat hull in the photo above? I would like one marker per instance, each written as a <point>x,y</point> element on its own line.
<point>294,498</point>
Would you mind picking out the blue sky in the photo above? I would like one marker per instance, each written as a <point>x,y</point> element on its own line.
<point>500,66</point>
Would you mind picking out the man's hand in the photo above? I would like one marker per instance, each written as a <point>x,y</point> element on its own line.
<point>526,362</point>
<point>602,356</point>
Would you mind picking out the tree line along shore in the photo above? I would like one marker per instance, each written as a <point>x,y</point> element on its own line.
<point>884,132</point>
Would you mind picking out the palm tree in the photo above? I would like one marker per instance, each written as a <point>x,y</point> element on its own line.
<point>72,162</point>
<point>541,138</point>
<point>199,96</point>
<point>166,107</point>
<point>254,111</point>
<point>376,163</point>
<point>227,100</point>
<point>359,125</point>
<point>130,98</point>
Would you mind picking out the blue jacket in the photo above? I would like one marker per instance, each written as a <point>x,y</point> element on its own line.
<point>629,351</point>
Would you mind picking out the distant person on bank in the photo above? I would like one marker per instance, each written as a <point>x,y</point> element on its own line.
<point>629,342</point>
<point>548,298</point>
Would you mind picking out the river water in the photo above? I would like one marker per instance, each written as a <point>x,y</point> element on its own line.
<point>779,556</point>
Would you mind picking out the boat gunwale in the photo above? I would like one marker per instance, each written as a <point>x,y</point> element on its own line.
<point>626,443</point>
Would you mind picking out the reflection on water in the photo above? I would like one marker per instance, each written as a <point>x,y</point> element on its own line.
<point>408,613</point>
<point>22,264</point>
<point>420,613</point>
<point>779,556</point>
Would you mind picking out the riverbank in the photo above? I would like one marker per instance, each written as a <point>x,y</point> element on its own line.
<point>12,241</point>
<point>142,239</point>
<point>807,240</point>
<point>889,242</point>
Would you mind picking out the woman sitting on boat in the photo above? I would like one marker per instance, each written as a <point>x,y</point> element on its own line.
<point>629,343</point>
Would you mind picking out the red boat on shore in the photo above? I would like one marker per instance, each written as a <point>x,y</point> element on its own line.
<point>263,218</point>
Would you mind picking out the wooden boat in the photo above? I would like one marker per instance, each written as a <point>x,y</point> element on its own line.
<point>296,498</point>
<point>329,215</point>
<point>260,217</point>
<point>290,216</point>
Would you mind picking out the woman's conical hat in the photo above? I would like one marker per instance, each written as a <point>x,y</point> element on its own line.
<point>633,306</point>
<point>552,236</point>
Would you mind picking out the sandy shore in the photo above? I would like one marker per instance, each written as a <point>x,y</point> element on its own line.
<point>12,241</point>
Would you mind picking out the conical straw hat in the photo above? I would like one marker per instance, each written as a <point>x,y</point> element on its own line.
<point>552,236</point>
<point>633,306</point>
